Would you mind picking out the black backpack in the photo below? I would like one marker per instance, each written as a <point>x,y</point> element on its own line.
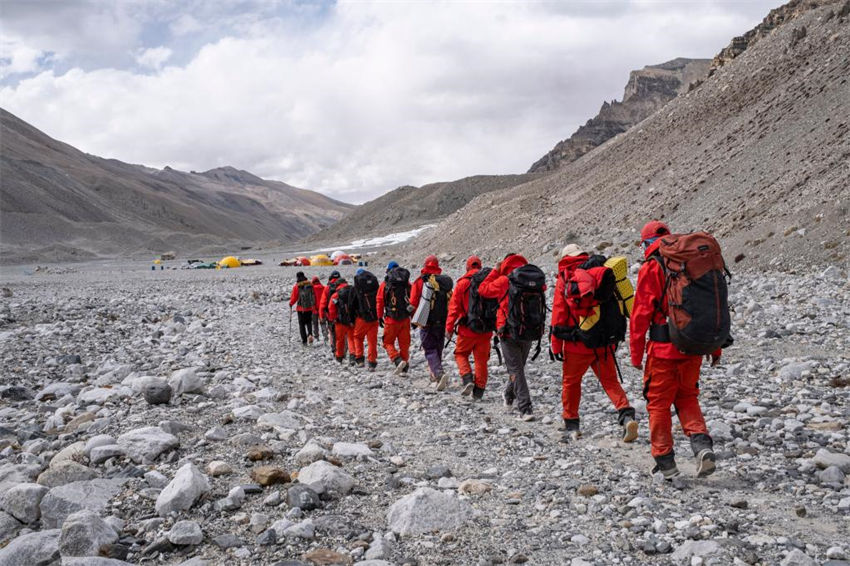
<point>344,305</point>
<point>306,297</point>
<point>526,303</point>
<point>481,311</point>
<point>397,294</point>
<point>366,293</point>
<point>440,301</point>
<point>331,289</point>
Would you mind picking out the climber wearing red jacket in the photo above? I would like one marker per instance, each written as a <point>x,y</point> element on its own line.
<point>318,292</point>
<point>515,351</point>
<point>577,358</point>
<point>344,333</point>
<point>670,377</point>
<point>395,318</point>
<point>329,290</point>
<point>468,342</point>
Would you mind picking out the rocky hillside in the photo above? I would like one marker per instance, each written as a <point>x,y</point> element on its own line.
<point>58,203</point>
<point>647,90</point>
<point>757,154</point>
<point>408,207</point>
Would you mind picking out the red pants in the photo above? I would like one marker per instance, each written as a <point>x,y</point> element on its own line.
<point>343,334</point>
<point>574,368</point>
<point>479,346</point>
<point>369,331</point>
<point>397,331</point>
<point>669,383</point>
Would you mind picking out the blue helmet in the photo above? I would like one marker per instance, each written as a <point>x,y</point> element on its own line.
<point>392,265</point>
<point>359,271</point>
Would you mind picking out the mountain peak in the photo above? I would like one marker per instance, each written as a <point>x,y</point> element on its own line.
<point>228,174</point>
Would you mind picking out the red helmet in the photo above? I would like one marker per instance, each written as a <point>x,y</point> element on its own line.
<point>472,262</point>
<point>654,229</point>
<point>432,261</point>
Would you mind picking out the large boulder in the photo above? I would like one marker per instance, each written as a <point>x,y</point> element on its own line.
<point>64,472</point>
<point>427,510</point>
<point>34,549</point>
<point>324,477</point>
<point>183,491</point>
<point>22,501</point>
<point>9,528</point>
<point>144,445</point>
<point>824,459</point>
<point>84,533</point>
<point>69,498</point>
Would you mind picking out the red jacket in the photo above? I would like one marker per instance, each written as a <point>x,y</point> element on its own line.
<point>332,310</point>
<point>416,287</point>
<point>293,298</point>
<point>379,303</point>
<point>318,291</point>
<point>496,285</point>
<point>648,309</point>
<point>326,297</point>
<point>562,315</point>
<point>459,307</point>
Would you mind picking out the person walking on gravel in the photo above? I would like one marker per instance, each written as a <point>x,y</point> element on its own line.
<point>341,315</point>
<point>304,300</point>
<point>393,302</point>
<point>576,357</point>
<point>366,318</point>
<point>433,303</point>
<point>670,378</point>
<point>330,289</point>
<point>318,291</point>
<point>520,321</point>
<point>473,323</point>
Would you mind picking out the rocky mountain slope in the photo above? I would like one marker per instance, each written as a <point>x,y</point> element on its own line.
<point>647,90</point>
<point>408,207</point>
<point>758,154</point>
<point>59,203</point>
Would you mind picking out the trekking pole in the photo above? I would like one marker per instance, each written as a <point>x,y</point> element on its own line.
<point>498,350</point>
<point>290,325</point>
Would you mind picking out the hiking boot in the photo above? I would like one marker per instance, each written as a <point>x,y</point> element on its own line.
<point>508,398</point>
<point>526,415</point>
<point>310,340</point>
<point>466,384</point>
<point>666,466</point>
<point>630,430</point>
<point>401,367</point>
<point>443,382</point>
<point>703,445</point>
<point>396,361</point>
<point>351,360</point>
<point>477,393</point>
<point>572,432</point>
<point>433,377</point>
<point>372,366</point>
<point>340,359</point>
<point>360,362</point>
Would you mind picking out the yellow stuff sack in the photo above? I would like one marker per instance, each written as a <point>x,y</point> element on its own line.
<point>620,267</point>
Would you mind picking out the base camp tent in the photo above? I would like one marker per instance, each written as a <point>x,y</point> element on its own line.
<point>229,261</point>
<point>249,262</point>
<point>321,259</point>
<point>343,260</point>
<point>336,254</point>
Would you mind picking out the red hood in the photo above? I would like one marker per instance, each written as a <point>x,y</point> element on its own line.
<point>431,270</point>
<point>571,262</point>
<point>471,272</point>
<point>652,248</point>
<point>512,262</point>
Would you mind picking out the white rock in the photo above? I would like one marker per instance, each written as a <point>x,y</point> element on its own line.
<point>69,498</point>
<point>351,450</point>
<point>185,381</point>
<point>427,510</point>
<point>83,533</point>
<point>95,441</point>
<point>183,491</point>
<point>309,453</point>
<point>186,533</point>
<point>40,547</point>
<point>692,548</point>
<point>144,445</point>
<point>304,529</point>
<point>323,476</point>
<point>798,558</point>
<point>824,459</point>
<point>22,501</point>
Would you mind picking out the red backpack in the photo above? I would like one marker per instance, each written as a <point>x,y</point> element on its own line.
<point>696,291</point>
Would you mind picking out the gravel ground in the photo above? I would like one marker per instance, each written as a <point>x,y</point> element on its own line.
<point>489,489</point>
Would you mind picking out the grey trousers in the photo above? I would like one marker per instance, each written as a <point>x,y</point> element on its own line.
<point>516,353</point>
<point>317,324</point>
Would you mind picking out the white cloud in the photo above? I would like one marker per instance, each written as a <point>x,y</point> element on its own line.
<point>154,57</point>
<point>185,24</point>
<point>376,95</point>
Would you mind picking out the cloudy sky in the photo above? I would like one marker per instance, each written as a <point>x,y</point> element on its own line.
<point>349,98</point>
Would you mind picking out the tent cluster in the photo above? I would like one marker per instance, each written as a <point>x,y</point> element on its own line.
<point>336,258</point>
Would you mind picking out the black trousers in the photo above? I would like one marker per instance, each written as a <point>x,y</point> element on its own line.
<point>305,325</point>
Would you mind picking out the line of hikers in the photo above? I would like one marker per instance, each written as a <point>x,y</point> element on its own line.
<point>680,302</point>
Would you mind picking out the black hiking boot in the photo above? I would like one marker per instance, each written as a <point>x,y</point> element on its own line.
<point>666,466</point>
<point>508,396</point>
<point>626,418</point>
<point>372,366</point>
<point>477,393</point>
<point>360,362</point>
<point>351,360</point>
<point>340,359</point>
<point>467,384</point>
<point>703,448</point>
<point>572,430</point>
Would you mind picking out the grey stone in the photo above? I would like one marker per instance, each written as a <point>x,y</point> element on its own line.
<point>144,445</point>
<point>228,540</point>
<point>22,501</point>
<point>186,533</point>
<point>798,558</point>
<point>69,498</point>
<point>304,530</point>
<point>309,453</point>
<point>426,510</point>
<point>824,459</point>
<point>95,441</point>
<point>695,548</point>
<point>267,538</point>
<point>324,477</point>
<point>183,491</point>
<point>303,497</point>
<point>9,527</point>
<point>34,549</point>
<point>351,450</point>
<point>101,454</point>
<point>832,476</point>
<point>64,472</point>
<point>84,533</point>
<point>93,561</point>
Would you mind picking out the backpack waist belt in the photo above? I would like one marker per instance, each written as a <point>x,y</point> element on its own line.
<point>659,333</point>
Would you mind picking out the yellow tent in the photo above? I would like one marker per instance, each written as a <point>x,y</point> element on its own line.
<point>321,259</point>
<point>157,261</point>
<point>229,261</point>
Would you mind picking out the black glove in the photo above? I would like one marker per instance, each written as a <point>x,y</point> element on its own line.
<point>381,322</point>
<point>555,357</point>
